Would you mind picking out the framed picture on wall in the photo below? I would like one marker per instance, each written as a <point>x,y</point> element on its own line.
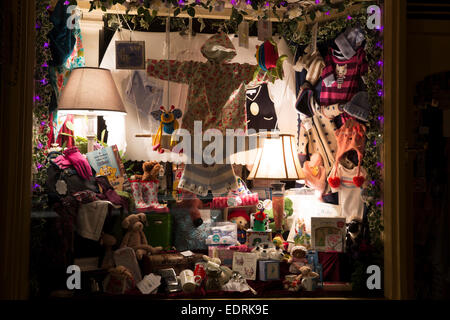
<point>130,55</point>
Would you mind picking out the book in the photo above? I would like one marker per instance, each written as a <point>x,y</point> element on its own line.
<point>106,162</point>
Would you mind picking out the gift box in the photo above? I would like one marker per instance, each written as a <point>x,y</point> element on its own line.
<point>223,253</point>
<point>269,270</point>
<point>328,234</point>
<point>254,238</point>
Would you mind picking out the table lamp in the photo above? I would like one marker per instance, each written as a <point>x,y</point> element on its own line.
<point>92,92</point>
<point>277,159</point>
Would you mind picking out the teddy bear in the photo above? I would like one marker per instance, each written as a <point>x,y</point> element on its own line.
<point>194,204</point>
<point>118,280</point>
<point>151,171</point>
<point>306,272</point>
<point>135,237</point>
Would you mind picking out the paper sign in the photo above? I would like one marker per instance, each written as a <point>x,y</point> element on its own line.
<point>243,31</point>
<point>187,253</point>
<point>130,54</point>
<point>245,264</point>
<point>264,30</point>
<point>149,284</point>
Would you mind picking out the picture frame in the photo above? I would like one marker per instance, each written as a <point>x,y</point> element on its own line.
<point>130,55</point>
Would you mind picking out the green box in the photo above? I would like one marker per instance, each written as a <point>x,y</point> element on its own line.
<point>159,229</point>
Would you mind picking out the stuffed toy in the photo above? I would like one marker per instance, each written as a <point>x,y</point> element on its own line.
<point>217,275</point>
<point>168,124</point>
<point>151,171</point>
<point>108,241</point>
<point>297,259</point>
<point>145,188</point>
<point>306,272</point>
<point>241,218</point>
<point>135,237</point>
<point>118,281</point>
<point>194,204</point>
<point>280,243</point>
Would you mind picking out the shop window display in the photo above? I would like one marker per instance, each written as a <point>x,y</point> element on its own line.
<point>212,228</point>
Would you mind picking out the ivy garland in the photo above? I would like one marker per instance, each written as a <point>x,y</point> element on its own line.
<point>284,10</point>
<point>41,98</point>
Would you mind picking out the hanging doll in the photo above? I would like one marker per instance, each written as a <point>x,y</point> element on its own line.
<point>168,124</point>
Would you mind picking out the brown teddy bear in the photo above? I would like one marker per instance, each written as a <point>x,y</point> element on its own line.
<point>135,237</point>
<point>151,171</point>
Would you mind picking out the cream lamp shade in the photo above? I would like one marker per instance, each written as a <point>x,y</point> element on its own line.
<point>90,90</point>
<point>277,159</point>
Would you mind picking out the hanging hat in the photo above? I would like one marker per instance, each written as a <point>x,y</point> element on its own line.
<point>239,213</point>
<point>295,248</point>
<point>349,41</point>
<point>218,48</point>
<point>359,106</point>
<point>270,54</point>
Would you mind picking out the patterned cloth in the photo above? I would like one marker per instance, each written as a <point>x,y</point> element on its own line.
<point>340,77</point>
<point>216,88</point>
<point>198,179</point>
<point>317,133</point>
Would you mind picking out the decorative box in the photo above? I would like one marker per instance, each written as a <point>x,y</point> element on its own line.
<point>257,237</point>
<point>269,270</point>
<point>222,233</point>
<point>223,253</point>
<point>328,234</point>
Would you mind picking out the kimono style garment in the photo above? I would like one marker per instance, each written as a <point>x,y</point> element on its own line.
<point>216,93</point>
<point>216,96</point>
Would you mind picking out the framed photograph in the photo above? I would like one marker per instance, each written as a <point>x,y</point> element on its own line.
<point>130,55</point>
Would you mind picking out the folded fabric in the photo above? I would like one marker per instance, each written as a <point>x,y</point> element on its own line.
<point>359,106</point>
<point>90,219</point>
<point>349,41</point>
<point>313,63</point>
<point>62,162</point>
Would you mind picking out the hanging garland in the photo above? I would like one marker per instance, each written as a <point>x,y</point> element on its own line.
<point>283,10</point>
<point>41,98</point>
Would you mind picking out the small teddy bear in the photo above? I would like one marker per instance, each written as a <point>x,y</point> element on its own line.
<point>135,237</point>
<point>151,171</point>
<point>118,280</point>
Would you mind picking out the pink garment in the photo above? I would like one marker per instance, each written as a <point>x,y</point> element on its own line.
<point>216,93</point>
